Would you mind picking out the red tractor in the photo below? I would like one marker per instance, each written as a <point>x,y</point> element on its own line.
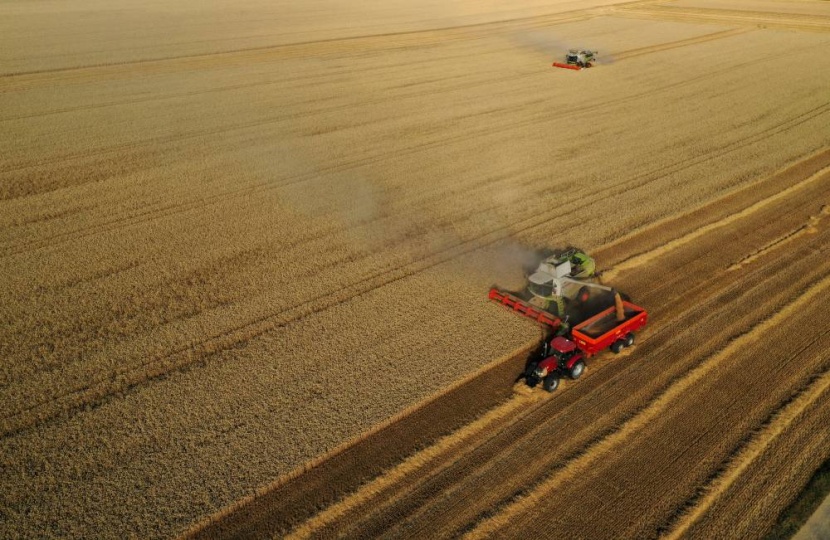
<point>559,356</point>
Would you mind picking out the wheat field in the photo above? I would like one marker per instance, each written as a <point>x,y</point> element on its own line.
<point>238,237</point>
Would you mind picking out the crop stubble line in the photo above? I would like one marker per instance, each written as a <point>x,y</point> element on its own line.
<point>793,374</point>
<point>488,423</point>
<point>795,454</point>
<point>729,203</point>
<point>389,488</point>
<point>631,427</point>
<point>763,19</point>
<point>256,187</point>
<point>199,527</point>
<point>646,257</point>
<point>376,532</point>
<point>782,419</point>
<point>811,227</point>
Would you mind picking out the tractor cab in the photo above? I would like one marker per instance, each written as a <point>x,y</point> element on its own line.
<point>561,348</point>
<point>572,56</point>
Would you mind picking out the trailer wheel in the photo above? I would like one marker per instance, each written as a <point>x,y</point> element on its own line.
<point>629,339</point>
<point>617,346</point>
<point>551,382</point>
<point>577,370</point>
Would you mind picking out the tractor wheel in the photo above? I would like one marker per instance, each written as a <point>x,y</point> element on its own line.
<point>530,369</point>
<point>629,339</point>
<point>577,370</point>
<point>551,382</point>
<point>617,346</point>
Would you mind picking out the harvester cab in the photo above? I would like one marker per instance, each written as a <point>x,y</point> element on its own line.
<point>561,279</point>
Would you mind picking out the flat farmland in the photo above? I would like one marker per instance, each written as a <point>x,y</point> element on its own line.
<point>245,250</point>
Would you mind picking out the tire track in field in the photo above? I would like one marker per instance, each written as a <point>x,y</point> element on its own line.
<point>429,461</point>
<point>695,315</point>
<point>789,21</point>
<point>170,139</point>
<point>633,53</point>
<point>811,227</point>
<point>133,376</point>
<point>168,210</point>
<point>222,340</point>
<point>659,232</point>
<point>752,504</point>
<point>343,463</point>
<point>323,46</point>
<point>233,87</point>
<point>822,176</point>
<point>792,414</point>
<point>258,326</point>
<point>256,187</point>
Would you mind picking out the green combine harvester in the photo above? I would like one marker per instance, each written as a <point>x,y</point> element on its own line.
<point>563,282</point>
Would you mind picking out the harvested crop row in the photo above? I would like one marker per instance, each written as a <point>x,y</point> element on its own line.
<point>636,477</point>
<point>540,448</point>
<point>792,446</point>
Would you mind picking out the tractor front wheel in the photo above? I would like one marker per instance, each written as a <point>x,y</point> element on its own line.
<point>577,370</point>
<point>551,382</point>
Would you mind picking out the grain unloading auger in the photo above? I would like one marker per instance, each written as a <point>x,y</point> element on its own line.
<point>603,326</point>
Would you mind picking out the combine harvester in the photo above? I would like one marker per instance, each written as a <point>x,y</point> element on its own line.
<point>607,325</point>
<point>578,59</point>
